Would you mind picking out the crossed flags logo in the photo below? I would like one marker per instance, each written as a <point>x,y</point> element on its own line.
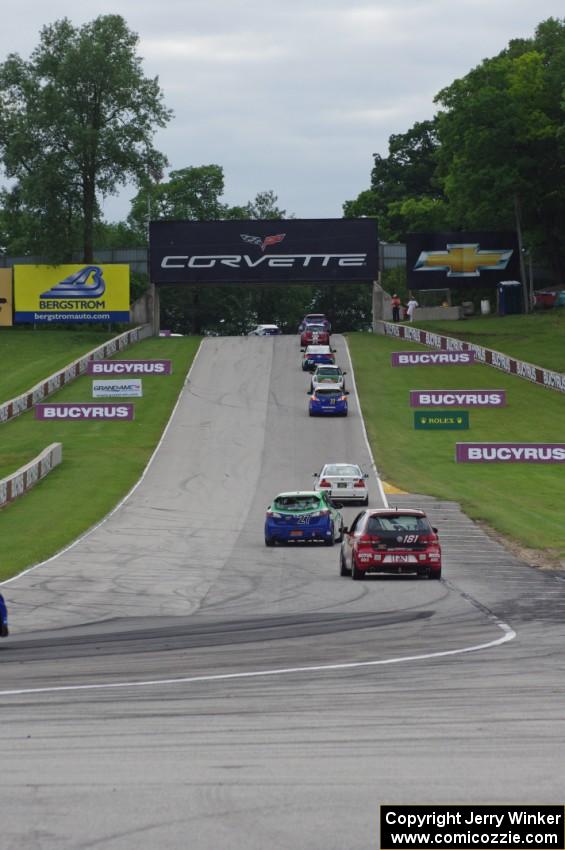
<point>263,243</point>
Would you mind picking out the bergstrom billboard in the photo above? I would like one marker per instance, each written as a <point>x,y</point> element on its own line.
<point>263,251</point>
<point>71,293</point>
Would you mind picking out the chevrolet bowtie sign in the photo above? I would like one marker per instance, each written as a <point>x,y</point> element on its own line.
<point>462,260</point>
<point>263,251</point>
<point>447,260</point>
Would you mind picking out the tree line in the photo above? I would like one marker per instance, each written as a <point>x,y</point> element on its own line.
<point>78,119</point>
<point>491,158</point>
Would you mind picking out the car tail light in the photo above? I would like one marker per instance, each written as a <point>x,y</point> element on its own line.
<point>359,483</point>
<point>274,514</point>
<point>325,483</point>
<point>324,512</point>
<point>428,538</point>
<point>367,540</point>
<point>343,398</point>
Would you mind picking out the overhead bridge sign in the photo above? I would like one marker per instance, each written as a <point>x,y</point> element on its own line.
<point>263,251</point>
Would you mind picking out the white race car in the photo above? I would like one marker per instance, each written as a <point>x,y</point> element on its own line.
<point>327,376</point>
<point>344,481</point>
<point>265,330</point>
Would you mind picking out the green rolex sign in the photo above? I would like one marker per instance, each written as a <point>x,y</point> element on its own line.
<point>441,420</point>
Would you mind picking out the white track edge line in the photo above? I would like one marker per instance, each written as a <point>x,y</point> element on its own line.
<point>364,428</point>
<point>116,508</point>
<point>509,634</point>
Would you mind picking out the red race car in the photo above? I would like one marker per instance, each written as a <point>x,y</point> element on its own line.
<point>391,541</point>
<point>314,335</point>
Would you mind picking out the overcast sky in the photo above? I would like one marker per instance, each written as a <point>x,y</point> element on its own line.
<point>293,95</point>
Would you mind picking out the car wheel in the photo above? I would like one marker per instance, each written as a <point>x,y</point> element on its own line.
<point>340,538</point>
<point>4,630</point>
<point>343,571</point>
<point>269,541</point>
<point>365,502</point>
<point>329,541</point>
<point>356,573</point>
<point>435,574</point>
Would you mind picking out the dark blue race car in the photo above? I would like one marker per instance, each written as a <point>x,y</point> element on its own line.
<point>3,618</point>
<point>328,402</point>
<point>301,516</point>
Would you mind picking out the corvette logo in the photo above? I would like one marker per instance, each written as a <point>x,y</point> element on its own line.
<point>86,283</point>
<point>263,243</point>
<point>463,260</point>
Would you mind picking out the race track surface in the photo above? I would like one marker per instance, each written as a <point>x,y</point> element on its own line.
<point>170,682</point>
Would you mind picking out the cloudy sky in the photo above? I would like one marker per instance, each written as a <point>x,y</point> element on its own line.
<point>295,95</point>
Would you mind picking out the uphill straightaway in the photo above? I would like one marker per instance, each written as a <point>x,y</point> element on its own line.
<point>177,584</point>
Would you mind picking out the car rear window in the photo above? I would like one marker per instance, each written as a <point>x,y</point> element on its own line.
<point>353,471</point>
<point>298,503</point>
<point>398,522</point>
<point>322,393</point>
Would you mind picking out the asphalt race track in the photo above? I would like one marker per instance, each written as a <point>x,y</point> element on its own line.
<point>170,682</point>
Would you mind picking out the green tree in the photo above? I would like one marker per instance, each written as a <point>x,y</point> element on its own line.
<point>502,134</point>
<point>408,172</point>
<point>77,121</point>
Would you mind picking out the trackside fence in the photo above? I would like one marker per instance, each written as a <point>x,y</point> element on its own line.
<point>27,476</point>
<point>12,408</point>
<point>536,374</point>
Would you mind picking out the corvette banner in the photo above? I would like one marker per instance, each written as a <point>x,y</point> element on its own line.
<point>263,251</point>
<point>71,293</point>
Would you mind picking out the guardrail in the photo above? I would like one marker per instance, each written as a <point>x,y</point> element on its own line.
<point>12,408</point>
<point>27,476</point>
<point>530,372</point>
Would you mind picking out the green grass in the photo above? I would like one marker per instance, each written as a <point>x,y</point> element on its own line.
<point>28,356</point>
<point>525,502</point>
<point>537,338</point>
<point>101,460</point>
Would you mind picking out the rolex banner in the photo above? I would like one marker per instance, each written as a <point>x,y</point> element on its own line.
<point>264,251</point>
<point>454,260</point>
<point>71,293</point>
<point>5,297</point>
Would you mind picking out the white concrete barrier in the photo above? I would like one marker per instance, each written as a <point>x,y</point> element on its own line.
<point>12,408</point>
<point>24,478</point>
<point>489,357</point>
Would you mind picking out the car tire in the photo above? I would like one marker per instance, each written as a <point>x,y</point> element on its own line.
<point>435,574</point>
<point>356,573</point>
<point>365,502</point>
<point>343,571</point>
<point>329,541</point>
<point>269,541</point>
<point>340,538</point>
<point>4,630</point>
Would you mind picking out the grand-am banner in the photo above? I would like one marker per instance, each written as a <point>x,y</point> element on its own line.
<point>71,293</point>
<point>5,297</point>
<point>453,260</point>
<point>263,251</point>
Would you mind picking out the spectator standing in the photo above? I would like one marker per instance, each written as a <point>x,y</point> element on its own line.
<point>410,307</point>
<point>395,303</point>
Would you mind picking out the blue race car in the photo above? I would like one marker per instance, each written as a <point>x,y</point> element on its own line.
<point>328,401</point>
<point>301,516</point>
<point>314,354</point>
<point>3,618</point>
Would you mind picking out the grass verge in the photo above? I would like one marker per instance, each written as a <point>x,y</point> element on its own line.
<point>101,460</point>
<point>27,356</point>
<point>536,338</point>
<point>523,501</point>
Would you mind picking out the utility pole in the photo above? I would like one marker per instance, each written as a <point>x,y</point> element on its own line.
<point>521,252</point>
